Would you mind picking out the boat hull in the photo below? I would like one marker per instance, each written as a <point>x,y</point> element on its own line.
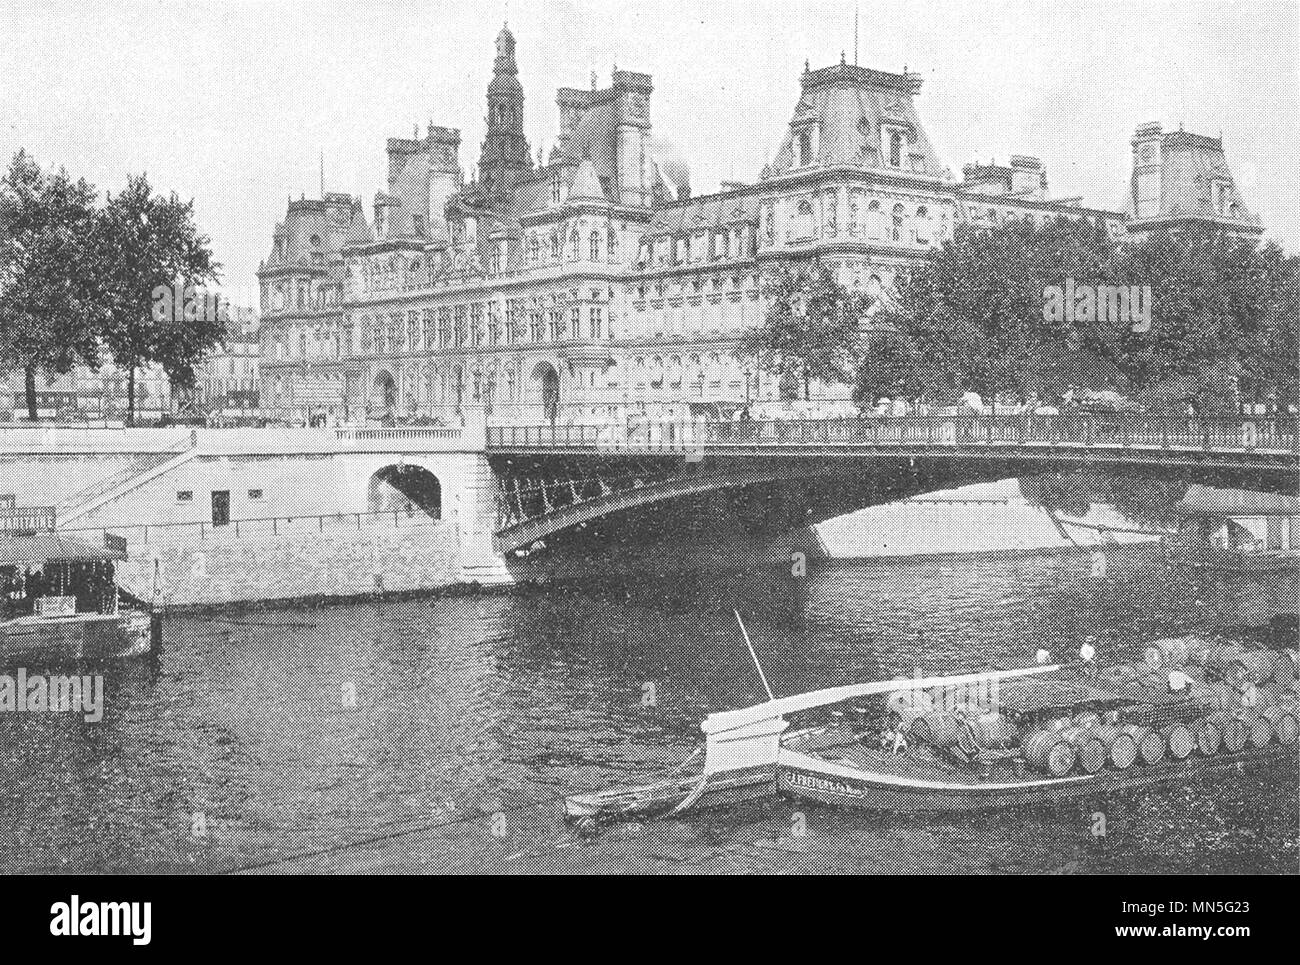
<point>84,636</point>
<point>807,777</point>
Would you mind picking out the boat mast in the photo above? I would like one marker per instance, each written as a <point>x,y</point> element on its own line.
<point>762,676</point>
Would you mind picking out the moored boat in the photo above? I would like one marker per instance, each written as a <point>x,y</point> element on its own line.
<point>994,739</point>
<point>58,595</point>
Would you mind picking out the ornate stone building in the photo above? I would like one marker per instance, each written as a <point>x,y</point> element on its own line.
<point>580,283</point>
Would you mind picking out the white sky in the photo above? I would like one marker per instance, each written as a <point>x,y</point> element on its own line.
<point>232,103</point>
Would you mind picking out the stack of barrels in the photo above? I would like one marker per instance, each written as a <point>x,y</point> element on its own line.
<point>1236,698</point>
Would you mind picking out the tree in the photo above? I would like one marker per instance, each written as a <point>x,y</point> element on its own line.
<point>1223,319</point>
<point>810,331</point>
<point>971,315</point>
<point>151,248</point>
<point>49,313</point>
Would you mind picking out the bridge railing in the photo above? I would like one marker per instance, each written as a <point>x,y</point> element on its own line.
<point>1101,430</point>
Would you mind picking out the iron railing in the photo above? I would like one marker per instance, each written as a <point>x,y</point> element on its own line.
<point>1265,434</point>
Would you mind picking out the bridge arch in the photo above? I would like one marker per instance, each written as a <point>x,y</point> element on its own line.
<point>405,488</point>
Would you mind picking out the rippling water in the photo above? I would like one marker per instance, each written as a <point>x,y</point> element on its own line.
<point>468,706</point>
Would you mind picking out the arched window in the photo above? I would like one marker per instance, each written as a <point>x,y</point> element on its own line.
<point>613,245</point>
<point>575,245</point>
<point>896,229</point>
<point>595,246</point>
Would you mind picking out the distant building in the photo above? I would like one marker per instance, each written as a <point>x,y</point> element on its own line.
<point>227,383</point>
<point>593,279</point>
<point>1182,179</point>
<point>86,395</point>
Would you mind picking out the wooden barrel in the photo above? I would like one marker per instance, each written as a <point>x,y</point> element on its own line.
<point>1180,740</point>
<point>1271,694</point>
<point>1284,667</point>
<point>1284,722</point>
<point>1259,729</point>
<point>1045,750</point>
<point>1151,746</point>
<point>1120,746</point>
<point>1091,752</point>
<point>995,731</point>
<point>940,728</point>
<point>1223,662</point>
<point>1087,718</point>
<point>1232,730</point>
<point>1209,739</point>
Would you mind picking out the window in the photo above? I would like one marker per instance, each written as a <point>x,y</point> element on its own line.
<point>595,246</point>
<point>476,323</point>
<point>613,245</point>
<point>444,327</point>
<point>896,229</point>
<point>555,246</point>
<point>805,148</point>
<point>895,149</point>
<point>255,494</point>
<point>596,321</point>
<point>575,243</point>
<point>555,188</point>
<point>185,495</point>
<point>461,326</point>
<point>575,322</point>
<point>534,249</point>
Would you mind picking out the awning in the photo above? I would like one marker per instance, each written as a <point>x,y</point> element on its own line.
<point>1207,501</point>
<point>44,547</point>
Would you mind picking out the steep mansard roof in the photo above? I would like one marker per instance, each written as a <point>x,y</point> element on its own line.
<point>1190,166</point>
<point>847,105</point>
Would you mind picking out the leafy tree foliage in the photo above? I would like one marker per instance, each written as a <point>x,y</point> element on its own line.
<point>1223,315</point>
<point>76,279</point>
<point>149,242</point>
<point>49,306</point>
<point>811,329</point>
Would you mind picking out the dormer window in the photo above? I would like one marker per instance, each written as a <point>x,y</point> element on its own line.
<point>805,148</point>
<point>895,149</point>
<point>1223,198</point>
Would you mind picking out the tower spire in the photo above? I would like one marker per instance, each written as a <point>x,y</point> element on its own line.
<point>505,153</point>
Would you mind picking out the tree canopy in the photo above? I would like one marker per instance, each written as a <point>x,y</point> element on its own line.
<point>975,315</point>
<point>810,330</point>
<point>151,243</point>
<point>50,312</point>
<point>78,279</point>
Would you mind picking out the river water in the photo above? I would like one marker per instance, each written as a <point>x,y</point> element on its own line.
<point>439,733</point>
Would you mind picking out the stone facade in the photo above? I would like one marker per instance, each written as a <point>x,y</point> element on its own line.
<point>590,281</point>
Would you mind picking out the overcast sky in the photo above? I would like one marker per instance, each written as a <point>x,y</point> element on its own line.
<point>232,103</point>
